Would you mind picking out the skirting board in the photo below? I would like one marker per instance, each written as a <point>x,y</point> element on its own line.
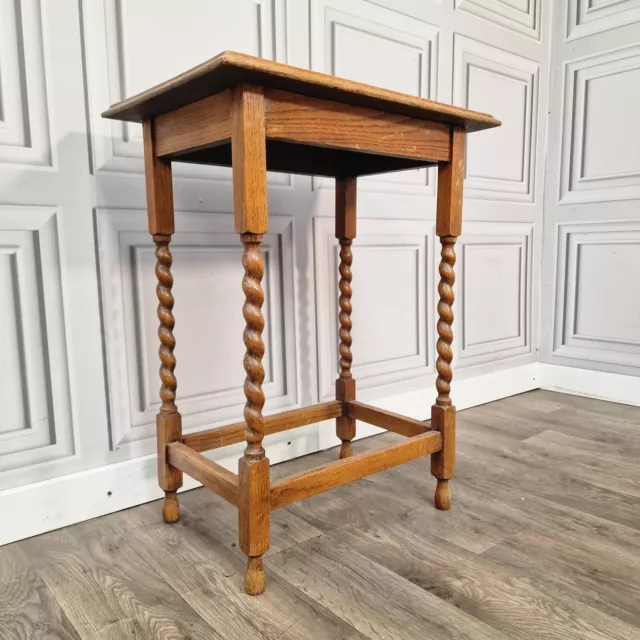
<point>52,504</point>
<point>602,385</point>
<point>465,393</point>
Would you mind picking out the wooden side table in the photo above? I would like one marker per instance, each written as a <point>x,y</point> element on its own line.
<point>254,115</point>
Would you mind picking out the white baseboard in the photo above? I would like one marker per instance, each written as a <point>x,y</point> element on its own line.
<point>469,392</point>
<point>602,385</point>
<point>52,504</point>
<point>44,506</point>
<point>465,393</point>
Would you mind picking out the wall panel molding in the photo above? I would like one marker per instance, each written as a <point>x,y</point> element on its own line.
<point>494,292</point>
<point>588,17</point>
<point>351,39</point>
<point>599,104</point>
<point>521,16</point>
<point>117,52</point>
<point>393,312</point>
<point>37,422</point>
<point>208,315</point>
<point>500,162</point>
<point>25,137</point>
<point>596,318</point>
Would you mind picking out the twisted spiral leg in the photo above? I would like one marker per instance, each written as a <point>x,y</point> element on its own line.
<point>252,311</point>
<point>167,323</point>
<point>169,423</point>
<point>445,313</point>
<point>443,413</point>
<point>253,472</point>
<point>346,260</point>
<point>345,385</point>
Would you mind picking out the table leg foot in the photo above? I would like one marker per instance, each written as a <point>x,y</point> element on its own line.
<point>171,507</point>
<point>443,495</point>
<point>255,578</point>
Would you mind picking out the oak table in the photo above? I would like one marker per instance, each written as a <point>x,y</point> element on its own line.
<point>255,115</point>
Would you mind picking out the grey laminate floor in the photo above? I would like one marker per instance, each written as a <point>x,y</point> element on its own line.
<point>543,541</point>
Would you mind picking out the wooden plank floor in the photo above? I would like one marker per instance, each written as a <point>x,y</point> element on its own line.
<point>543,542</point>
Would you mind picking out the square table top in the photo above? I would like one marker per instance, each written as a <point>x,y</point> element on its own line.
<point>229,69</point>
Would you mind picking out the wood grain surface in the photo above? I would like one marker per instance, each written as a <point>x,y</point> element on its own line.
<point>385,419</point>
<point>249,160</point>
<point>544,544</point>
<point>216,478</point>
<point>159,186</point>
<point>28,609</point>
<point>334,474</point>
<point>451,187</point>
<point>229,68</point>
<point>296,118</point>
<point>233,433</point>
<point>195,126</point>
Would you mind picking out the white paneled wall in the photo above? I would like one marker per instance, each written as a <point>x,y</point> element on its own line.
<point>79,373</point>
<point>591,268</point>
<point>495,279</point>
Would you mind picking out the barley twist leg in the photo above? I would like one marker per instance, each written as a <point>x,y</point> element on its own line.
<point>253,511</point>
<point>346,384</point>
<point>168,419</point>
<point>445,313</point>
<point>252,312</point>
<point>443,413</point>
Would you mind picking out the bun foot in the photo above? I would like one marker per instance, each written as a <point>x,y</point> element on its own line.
<point>171,507</point>
<point>443,495</point>
<point>255,578</point>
